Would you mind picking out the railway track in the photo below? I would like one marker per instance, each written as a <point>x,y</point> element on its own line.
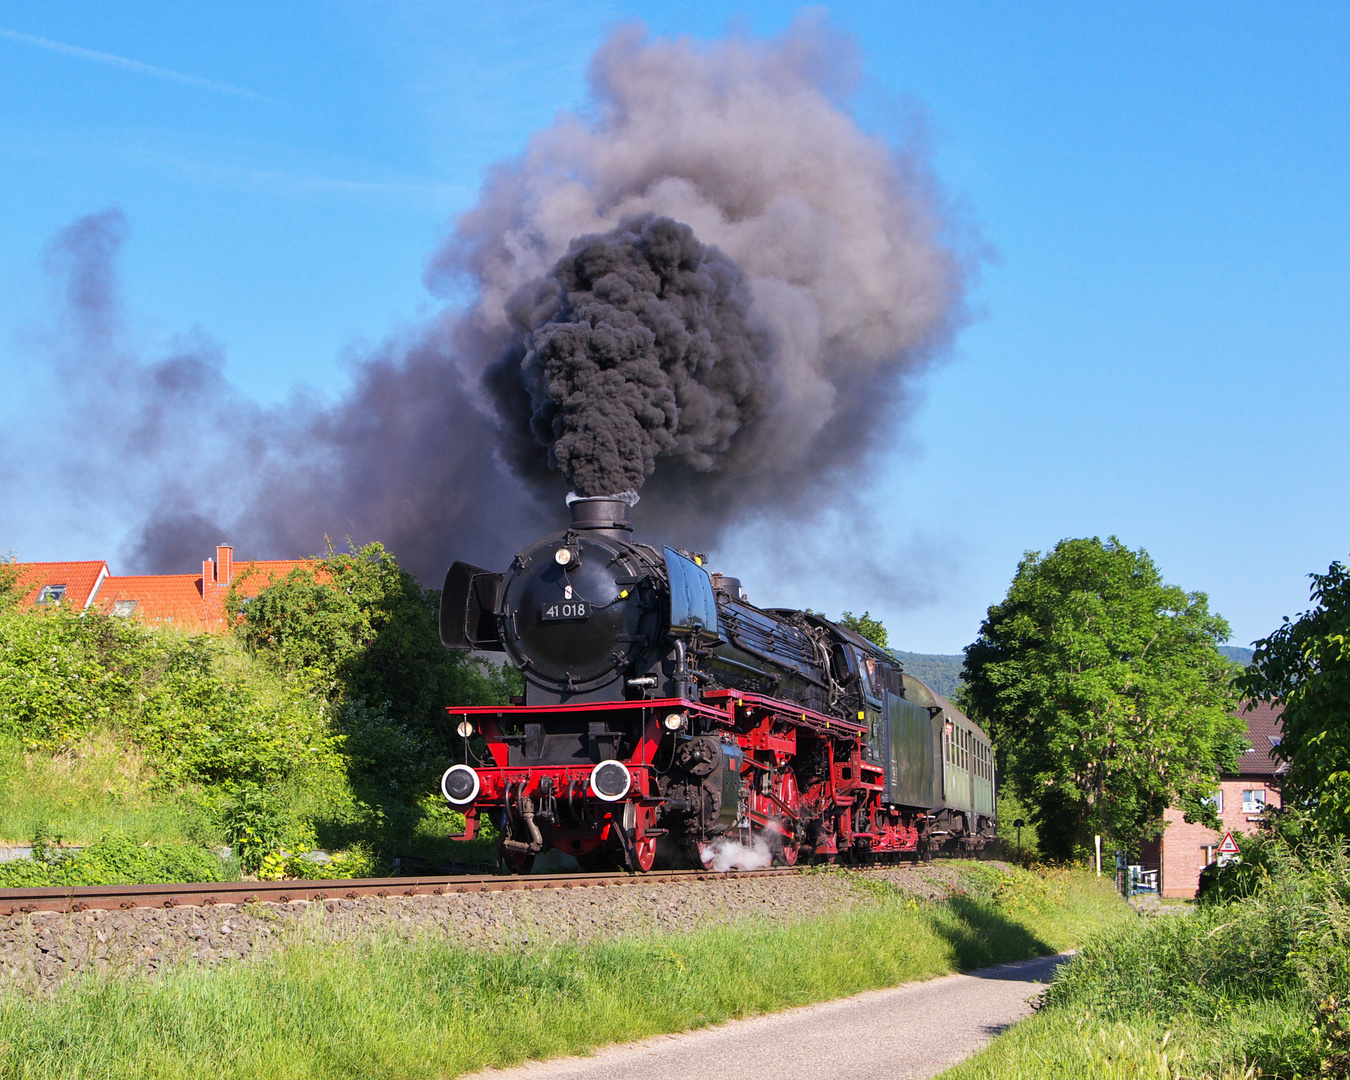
<point>109,897</point>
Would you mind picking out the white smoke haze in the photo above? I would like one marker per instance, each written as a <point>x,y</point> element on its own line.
<point>729,854</point>
<point>834,239</point>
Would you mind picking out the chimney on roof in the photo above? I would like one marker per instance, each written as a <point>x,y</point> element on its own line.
<point>224,564</point>
<point>208,575</point>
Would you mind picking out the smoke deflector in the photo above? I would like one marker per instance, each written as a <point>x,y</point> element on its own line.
<point>693,609</point>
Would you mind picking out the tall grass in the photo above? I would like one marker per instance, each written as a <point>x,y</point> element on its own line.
<point>1258,985</point>
<point>98,785</point>
<point>432,1009</point>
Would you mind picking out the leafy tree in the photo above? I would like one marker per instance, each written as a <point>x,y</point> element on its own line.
<point>1305,666</point>
<point>363,635</point>
<point>359,628</point>
<point>1105,694</point>
<point>865,626</point>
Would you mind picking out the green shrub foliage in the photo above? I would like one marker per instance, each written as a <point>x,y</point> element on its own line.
<point>321,721</point>
<point>1273,938</point>
<point>356,627</point>
<point>113,860</point>
<point>362,636</point>
<point>1305,666</point>
<point>201,719</point>
<point>1105,694</point>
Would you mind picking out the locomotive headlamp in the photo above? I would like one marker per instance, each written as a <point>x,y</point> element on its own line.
<point>460,785</point>
<point>610,780</point>
<point>562,556</point>
<point>674,721</point>
<point>465,728</point>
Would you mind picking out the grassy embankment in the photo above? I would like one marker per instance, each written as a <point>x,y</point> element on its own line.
<point>434,1010</point>
<point>318,724</point>
<point>1254,984</point>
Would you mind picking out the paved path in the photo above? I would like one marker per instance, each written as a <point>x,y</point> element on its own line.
<point>915,1030</point>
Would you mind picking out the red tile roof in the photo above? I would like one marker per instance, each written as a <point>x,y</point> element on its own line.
<point>1263,731</point>
<point>179,598</point>
<point>82,580</point>
<point>159,598</point>
<point>162,598</point>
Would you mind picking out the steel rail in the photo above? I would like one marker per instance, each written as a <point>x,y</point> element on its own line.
<point>77,898</point>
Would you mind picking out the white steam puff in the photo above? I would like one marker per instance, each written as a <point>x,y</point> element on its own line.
<point>730,854</point>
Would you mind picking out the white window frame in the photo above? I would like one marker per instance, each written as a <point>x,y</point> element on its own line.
<point>1249,800</point>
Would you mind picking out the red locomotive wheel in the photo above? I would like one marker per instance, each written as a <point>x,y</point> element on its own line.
<point>790,797</point>
<point>644,852</point>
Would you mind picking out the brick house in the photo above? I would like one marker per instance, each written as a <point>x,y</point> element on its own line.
<point>193,602</point>
<point>1184,849</point>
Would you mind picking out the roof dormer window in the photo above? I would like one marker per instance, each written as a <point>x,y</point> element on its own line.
<point>51,594</point>
<point>123,608</point>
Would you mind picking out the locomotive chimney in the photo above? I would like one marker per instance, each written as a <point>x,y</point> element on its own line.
<point>606,514</point>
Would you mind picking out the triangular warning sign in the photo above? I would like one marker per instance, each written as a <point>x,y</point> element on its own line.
<point>1229,845</point>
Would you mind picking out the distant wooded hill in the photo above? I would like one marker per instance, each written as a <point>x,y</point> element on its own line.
<point>938,672</point>
<point>942,672</point>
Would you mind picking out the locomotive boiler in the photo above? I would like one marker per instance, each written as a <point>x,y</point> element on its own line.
<point>666,717</point>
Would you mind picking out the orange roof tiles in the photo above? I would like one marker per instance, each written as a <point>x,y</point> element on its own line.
<point>161,598</point>
<point>81,581</point>
<point>179,599</point>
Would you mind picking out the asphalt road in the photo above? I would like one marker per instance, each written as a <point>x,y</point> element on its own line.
<point>915,1030</point>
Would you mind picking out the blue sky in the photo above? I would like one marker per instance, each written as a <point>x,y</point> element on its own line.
<point>1158,341</point>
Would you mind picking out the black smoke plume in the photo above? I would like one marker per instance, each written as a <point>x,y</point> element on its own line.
<point>638,345</point>
<point>712,280</point>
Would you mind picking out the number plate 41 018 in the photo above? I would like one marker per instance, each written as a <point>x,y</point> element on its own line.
<point>567,609</point>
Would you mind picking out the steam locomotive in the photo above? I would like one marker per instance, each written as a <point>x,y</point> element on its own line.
<point>667,720</point>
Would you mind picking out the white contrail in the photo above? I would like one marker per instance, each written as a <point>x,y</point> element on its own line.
<point>125,64</point>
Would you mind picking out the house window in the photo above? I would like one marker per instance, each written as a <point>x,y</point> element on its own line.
<point>1216,801</point>
<point>124,608</point>
<point>51,594</point>
<point>1253,802</point>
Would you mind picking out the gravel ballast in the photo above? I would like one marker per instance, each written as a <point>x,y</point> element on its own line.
<point>39,951</point>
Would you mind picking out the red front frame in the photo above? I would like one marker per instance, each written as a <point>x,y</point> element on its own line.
<point>843,809</point>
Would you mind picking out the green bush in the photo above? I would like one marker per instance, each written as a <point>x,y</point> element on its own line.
<point>356,627</point>
<point>1280,951</point>
<point>362,635</point>
<point>321,721</point>
<point>355,862</point>
<point>64,672</point>
<point>113,860</point>
<point>201,718</point>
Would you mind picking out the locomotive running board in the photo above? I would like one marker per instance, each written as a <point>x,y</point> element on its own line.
<point>787,711</point>
<point>729,700</point>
